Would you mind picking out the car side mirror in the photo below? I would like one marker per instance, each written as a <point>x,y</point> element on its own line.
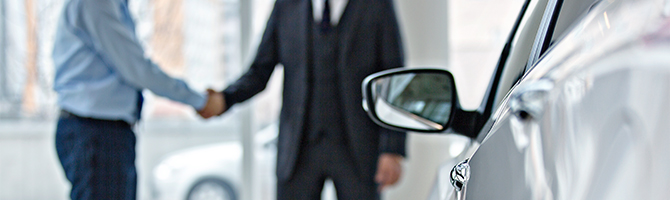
<point>421,100</point>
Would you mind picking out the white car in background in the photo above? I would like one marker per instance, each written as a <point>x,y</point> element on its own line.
<point>214,171</point>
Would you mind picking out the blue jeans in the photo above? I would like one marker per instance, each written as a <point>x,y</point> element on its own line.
<point>98,157</point>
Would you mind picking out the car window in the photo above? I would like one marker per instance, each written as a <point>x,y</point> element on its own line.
<point>478,31</point>
<point>571,11</point>
<point>558,17</point>
<point>520,48</point>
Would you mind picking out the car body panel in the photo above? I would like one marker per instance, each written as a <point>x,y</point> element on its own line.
<point>602,131</point>
<point>587,112</point>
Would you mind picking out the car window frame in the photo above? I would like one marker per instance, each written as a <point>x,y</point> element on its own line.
<point>495,90</point>
<point>544,42</point>
<point>545,32</point>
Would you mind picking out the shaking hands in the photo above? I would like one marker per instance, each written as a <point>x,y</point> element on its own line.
<point>215,105</point>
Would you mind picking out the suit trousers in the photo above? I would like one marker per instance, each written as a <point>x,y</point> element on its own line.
<point>326,159</point>
<point>98,157</point>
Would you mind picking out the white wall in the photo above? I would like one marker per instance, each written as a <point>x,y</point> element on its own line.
<point>424,25</point>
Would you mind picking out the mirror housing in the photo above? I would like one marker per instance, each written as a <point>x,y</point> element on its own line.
<point>417,99</point>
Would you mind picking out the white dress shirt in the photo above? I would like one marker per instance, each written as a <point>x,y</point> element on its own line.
<point>336,9</point>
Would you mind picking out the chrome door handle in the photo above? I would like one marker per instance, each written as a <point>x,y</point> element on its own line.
<point>527,101</point>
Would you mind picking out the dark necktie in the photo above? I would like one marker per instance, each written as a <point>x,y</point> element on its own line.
<point>325,22</point>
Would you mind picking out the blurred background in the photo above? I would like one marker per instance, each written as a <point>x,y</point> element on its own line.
<point>208,43</point>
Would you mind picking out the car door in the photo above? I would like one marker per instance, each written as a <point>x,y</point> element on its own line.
<point>511,66</point>
<point>585,119</point>
<point>576,123</point>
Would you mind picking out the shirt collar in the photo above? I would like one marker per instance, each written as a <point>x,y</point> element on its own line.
<point>337,8</point>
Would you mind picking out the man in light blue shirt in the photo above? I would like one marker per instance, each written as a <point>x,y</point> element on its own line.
<point>101,70</point>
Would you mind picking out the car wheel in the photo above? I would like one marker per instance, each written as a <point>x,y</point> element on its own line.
<point>211,189</point>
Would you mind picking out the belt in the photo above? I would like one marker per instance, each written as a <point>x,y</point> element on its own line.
<point>64,114</point>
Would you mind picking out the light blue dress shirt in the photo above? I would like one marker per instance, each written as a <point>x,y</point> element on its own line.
<point>100,65</point>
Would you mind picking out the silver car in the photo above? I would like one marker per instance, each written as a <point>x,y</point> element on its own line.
<point>214,171</point>
<point>578,106</point>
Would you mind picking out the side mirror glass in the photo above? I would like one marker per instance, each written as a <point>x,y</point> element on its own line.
<point>411,99</point>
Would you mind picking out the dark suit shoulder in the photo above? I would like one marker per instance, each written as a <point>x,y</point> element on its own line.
<point>289,1</point>
<point>386,4</point>
<point>377,6</point>
<point>380,2</point>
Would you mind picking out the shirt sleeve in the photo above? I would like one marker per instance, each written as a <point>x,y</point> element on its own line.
<point>119,47</point>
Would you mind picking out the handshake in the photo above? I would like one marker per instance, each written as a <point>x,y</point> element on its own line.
<point>216,105</point>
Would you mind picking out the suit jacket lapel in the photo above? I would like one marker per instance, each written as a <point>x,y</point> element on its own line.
<point>293,39</point>
<point>304,25</point>
<point>353,12</point>
<point>293,23</point>
<point>302,28</point>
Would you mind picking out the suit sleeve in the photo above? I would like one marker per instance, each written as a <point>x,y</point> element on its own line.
<point>256,78</point>
<point>391,57</point>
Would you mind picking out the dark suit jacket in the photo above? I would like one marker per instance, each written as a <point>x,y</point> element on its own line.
<point>369,42</point>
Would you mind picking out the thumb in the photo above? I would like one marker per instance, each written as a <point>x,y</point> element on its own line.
<point>381,180</point>
<point>379,177</point>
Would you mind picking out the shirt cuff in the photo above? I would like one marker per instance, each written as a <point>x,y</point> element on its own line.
<point>198,101</point>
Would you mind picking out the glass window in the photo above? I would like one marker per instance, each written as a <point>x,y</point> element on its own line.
<point>198,41</point>
<point>195,40</point>
<point>29,168</point>
<point>478,30</point>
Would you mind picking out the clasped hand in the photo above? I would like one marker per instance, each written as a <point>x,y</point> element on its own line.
<point>215,105</point>
<point>389,170</point>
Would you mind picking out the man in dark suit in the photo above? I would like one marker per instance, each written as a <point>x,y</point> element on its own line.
<point>327,48</point>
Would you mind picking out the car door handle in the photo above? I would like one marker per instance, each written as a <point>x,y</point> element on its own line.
<point>527,100</point>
